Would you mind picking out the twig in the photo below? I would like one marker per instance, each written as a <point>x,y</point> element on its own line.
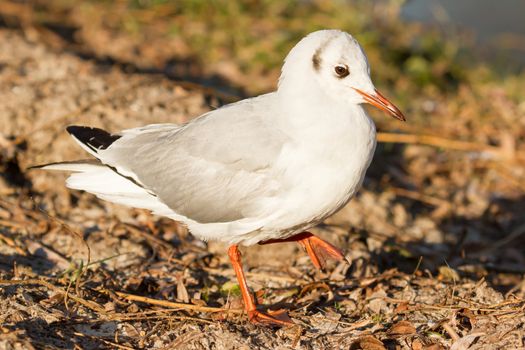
<point>453,335</point>
<point>418,265</point>
<point>441,142</point>
<point>174,305</point>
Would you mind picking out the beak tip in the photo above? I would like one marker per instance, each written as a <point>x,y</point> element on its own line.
<point>380,101</point>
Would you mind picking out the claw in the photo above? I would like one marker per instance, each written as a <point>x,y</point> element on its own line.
<point>320,251</point>
<point>275,318</point>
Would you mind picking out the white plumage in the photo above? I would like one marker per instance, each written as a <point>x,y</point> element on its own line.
<point>263,168</point>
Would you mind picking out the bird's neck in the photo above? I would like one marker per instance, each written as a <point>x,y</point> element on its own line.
<point>307,107</point>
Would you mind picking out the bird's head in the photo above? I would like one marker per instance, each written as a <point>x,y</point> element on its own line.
<point>335,62</point>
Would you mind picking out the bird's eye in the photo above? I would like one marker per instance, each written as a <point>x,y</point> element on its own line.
<point>341,71</point>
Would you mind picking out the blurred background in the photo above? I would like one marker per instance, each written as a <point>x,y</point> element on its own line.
<point>444,200</point>
<point>429,41</point>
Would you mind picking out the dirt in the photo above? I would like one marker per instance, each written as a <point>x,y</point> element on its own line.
<point>434,243</point>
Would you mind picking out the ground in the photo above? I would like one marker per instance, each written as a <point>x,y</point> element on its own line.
<point>434,239</point>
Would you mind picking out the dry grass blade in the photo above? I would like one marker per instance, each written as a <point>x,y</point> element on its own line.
<point>441,142</point>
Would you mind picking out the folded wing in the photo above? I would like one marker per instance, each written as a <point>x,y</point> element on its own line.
<point>206,171</point>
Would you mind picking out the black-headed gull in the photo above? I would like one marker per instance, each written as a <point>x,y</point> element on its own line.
<point>262,170</point>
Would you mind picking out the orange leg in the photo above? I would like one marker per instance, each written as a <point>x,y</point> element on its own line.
<point>253,315</point>
<point>318,250</point>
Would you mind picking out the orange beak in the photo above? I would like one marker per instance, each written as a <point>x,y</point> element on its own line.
<point>380,101</point>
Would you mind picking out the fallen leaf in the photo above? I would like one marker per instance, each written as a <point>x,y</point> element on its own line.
<point>377,303</point>
<point>325,322</point>
<point>402,328</point>
<point>368,343</point>
<point>401,307</point>
<point>417,345</point>
<point>433,347</point>
<point>182,292</point>
<point>447,274</point>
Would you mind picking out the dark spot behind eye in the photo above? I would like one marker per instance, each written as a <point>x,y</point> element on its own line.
<point>316,59</point>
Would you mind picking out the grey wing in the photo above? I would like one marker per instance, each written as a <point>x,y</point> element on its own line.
<point>217,168</point>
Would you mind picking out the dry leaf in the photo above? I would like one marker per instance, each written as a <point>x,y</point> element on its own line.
<point>402,328</point>
<point>447,274</point>
<point>433,347</point>
<point>377,303</point>
<point>368,343</point>
<point>401,307</point>
<point>325,322</point>
<point>417,345</point>
<point>182,293</point>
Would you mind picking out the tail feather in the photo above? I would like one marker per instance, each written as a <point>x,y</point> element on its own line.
<point>102,181</point>
<point>75,166</point>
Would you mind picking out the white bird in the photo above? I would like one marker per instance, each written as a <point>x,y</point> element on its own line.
<point>262,170</point>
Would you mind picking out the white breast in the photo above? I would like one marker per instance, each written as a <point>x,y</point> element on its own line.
<point>322,174</point>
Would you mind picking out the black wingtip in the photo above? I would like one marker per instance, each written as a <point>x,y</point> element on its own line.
<point>95,138</point>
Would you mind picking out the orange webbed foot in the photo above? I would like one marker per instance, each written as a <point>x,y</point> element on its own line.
<point>320,251</point>
<point>271,318</point>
